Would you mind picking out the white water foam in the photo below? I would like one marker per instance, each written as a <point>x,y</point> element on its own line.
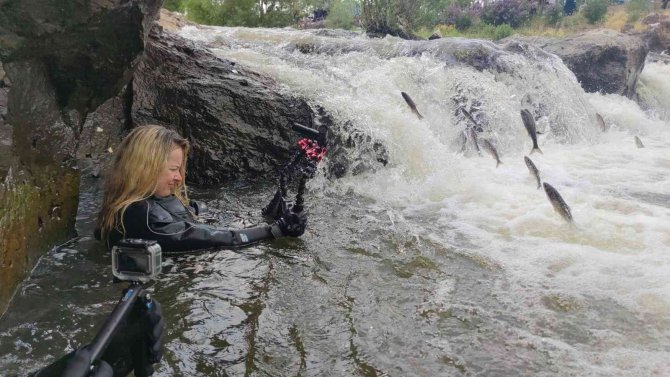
<point>619,194</point>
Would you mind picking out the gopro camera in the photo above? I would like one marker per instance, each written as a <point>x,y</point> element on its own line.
<point>135,259</point>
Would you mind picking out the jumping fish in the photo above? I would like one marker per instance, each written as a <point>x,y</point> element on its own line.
<point>492,150</point>
<point>529,123</point>
<point>473,136</point>
<point>411,104</point>
<point>601,123</point>
<point>472,131</point>
<point>533,170</point>
<point>638,142</point>
<point>557,201</point>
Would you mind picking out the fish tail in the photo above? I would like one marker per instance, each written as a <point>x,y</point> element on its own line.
<point>419,115</point>
<point>498,163</point>
<point>536,149</point>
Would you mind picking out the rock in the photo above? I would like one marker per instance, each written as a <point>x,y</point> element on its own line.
<point>64,59</point>
<point>657,34</point>
<point>435,35</point>
<point>238,121</point>
<point>173,21</point>
<point>603,60</point>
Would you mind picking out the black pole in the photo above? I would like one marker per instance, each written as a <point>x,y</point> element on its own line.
<point>299,200</point>
<point>119,313</point>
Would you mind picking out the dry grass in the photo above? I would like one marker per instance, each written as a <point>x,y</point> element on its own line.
<point>617,17</point>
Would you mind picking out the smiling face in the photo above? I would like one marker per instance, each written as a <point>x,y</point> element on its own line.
<point>170,178</point>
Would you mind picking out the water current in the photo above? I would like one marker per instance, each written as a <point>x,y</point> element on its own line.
<point>437,264</point>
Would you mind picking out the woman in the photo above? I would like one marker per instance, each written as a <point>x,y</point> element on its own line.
<point>145,197</point>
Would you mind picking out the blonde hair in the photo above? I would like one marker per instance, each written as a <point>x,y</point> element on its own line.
<point>133,174</point>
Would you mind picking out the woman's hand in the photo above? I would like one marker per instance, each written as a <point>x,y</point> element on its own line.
<point>291,224</point>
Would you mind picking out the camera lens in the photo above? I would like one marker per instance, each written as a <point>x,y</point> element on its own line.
<point>136,263</point>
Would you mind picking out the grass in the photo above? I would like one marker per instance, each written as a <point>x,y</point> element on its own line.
<point>617,16</point>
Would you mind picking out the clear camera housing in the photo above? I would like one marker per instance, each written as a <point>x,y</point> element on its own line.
<point>136,259</point>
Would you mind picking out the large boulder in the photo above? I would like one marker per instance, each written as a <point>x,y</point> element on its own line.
<point>603,60</point>
<point>657,34</point>
<point>63,60</point>
<point>238,121</point>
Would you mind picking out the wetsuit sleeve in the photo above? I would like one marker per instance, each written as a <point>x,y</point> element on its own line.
<point>141,221</point>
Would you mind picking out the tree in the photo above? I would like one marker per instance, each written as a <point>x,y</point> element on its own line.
<point>394,17</point>
<point>569,7</point>
<point>595,10</point>
<point>342,14</point>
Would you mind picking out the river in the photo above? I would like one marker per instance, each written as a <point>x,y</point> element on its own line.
<point>437,264</point>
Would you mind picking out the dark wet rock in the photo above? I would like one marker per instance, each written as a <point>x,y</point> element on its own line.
<point>657,34</point>
<point>104,128</point>
<point>61,60</point>
<point>435,35</point>
<point>602,60</point>
<point>89,50</point>
<point>238,121</point>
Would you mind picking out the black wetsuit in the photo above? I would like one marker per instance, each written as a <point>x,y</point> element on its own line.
<point>168,221</point>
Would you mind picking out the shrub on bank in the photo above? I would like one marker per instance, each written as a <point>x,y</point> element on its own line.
<point>511,12</point>
<point>553,15</point>
<point>595,10</point>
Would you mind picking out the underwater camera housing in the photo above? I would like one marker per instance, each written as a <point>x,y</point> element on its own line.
<point>135,259</point>
<point>303,164</point>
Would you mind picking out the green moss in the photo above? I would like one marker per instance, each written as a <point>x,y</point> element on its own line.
<point>34,216</point>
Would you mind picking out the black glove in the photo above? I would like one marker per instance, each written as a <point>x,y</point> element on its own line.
<point>290,224</point>
<point>79,365</point>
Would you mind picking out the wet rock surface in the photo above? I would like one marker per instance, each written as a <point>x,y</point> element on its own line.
<point>657,34</point>
<point>603,60</point>
<point>238,121</point>
<point>60,60</point>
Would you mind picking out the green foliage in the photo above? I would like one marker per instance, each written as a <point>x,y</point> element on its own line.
<point>394,17</point>
<point>511,12</point>
<point>203,12</point>
<point>342,14</point>
<point>639,6</point>
<point>463,22</point>
<point>553,15</point>
<point>274,13</point>
<point>595,10</point>
<point>502,31</point>
<point>173,5</point>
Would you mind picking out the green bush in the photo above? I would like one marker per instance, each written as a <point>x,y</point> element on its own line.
<point>553,15</point>
<point>641,7</point>
<point>394,17</point>
<point>502,31</point>
<point>511,12</point>
<point>482,30</point>
<point>633,17</point>
<point>203,12</point>
<point>463,22</point>
<point>173,5</point>
<point>342,14</point>
<point>595,10</point>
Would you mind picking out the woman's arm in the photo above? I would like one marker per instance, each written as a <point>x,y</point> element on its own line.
<point>150,221</point>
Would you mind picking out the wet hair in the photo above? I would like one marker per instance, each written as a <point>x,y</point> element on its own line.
<point>134,172</point>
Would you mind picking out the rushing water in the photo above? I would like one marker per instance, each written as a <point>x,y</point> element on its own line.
<point>438,264</point>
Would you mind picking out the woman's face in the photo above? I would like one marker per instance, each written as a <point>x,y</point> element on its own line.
<point>170,177</point>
